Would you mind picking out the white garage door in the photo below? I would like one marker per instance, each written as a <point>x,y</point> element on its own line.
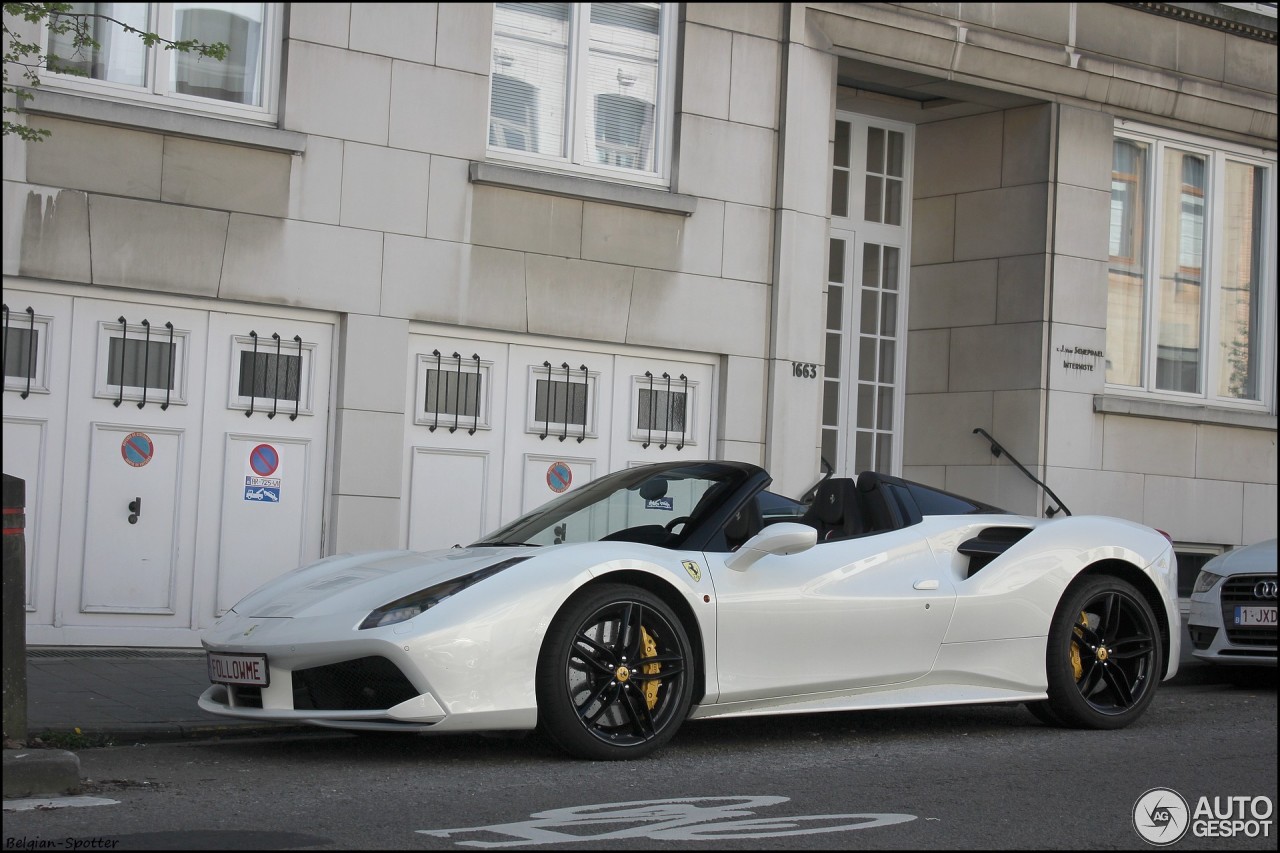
<point>174,459</point>
<point>499,426</point>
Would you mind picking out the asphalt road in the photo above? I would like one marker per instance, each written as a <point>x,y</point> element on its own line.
<point>973,777</point>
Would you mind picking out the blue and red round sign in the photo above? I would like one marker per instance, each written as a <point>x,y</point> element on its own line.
<point>137,449</point>
<point>264,460</point>
<point>559,477</point>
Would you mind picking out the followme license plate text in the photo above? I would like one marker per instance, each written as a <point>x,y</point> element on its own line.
<point>250,670</point>
<point>1260,616</point>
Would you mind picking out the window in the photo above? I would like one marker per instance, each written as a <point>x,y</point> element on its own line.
<point>453,392</point>
<point>26,336</point>
<point>143,361</point>
<point>563,402</point>
<point>662,409</point>
<point>1191,310</point>
<point>271,374</point>
<point>585,86</point>
<point>122,66</point>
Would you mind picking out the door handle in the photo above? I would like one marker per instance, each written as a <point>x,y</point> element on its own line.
<point>926,585</point>
<point>135,510</point>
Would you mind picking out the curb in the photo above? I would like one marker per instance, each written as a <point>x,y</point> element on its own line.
<point>35,772</point>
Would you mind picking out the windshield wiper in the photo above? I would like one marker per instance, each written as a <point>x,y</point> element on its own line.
<point>501,544</point>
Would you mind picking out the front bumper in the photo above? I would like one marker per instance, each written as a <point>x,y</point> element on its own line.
<point>1215,640</point>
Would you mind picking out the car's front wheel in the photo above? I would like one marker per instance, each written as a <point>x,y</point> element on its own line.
<point>615,675</point>
<point>1105,655</point>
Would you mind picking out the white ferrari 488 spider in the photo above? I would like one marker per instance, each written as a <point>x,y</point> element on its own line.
<point>680,591</point>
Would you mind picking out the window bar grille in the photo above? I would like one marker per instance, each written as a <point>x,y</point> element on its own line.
<point>666,426</point>
<point>436,406</point>
<point>457,394</point>
<point>124,334</point>
<point>146,362</point>
<point>568,390</point>
<point>4,345</point>
<point>168,391</point>
<point>649,421</point>
<point>275,397</point>
<point>253,375</point>
<point>475,413</point>
<point>684,420</point>
<point>546,413</point>
<point>297,398</point>
<point>31,351</point>
<point>586,400</point>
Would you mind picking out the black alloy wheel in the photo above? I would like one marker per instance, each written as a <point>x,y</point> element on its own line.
<point>1105,655</point>
<point>615,675</point>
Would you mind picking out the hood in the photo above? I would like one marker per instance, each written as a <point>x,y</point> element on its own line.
<point>363,582</point>
<point>1256,559</point>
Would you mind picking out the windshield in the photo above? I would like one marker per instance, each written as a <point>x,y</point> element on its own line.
<point>654,504</point>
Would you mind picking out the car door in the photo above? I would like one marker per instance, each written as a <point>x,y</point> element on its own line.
<point>853,613</point>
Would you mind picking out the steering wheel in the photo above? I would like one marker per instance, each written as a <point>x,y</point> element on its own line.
<point>673,522</point>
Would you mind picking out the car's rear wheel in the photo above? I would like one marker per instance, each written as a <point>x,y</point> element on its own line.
<point>615,675</point>
<point>1105,655</point>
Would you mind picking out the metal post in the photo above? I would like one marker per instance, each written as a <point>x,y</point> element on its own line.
<point>15,617</point>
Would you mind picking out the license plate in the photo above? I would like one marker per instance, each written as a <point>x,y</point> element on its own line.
<point>1256,616</point>
<point>250,670</point>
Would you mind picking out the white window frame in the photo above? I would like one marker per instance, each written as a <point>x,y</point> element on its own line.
<point>1217,155</point>
<point>423,417</point>
<point>559,429</point>
<point>641,435</point>
<point>574,161</point>
<point>159,65</point>
<point>267,344</point>
<point>21,321</point>
<point>103,390</point>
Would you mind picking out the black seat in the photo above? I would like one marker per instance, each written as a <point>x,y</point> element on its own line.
<point>836,511</point>
<point>879,507</point>
<point>744,524</point>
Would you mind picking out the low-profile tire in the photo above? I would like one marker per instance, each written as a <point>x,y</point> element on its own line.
<point>615,674</point>
<point>1118,655</point>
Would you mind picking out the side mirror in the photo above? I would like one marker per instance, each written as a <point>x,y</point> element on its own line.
<point>782,538</point>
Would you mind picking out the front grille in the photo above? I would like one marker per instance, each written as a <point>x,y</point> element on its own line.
<point>365,684</point>
<point>245,697</point>
<point>1239,592</point>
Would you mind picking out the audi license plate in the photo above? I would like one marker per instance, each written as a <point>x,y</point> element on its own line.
<point>250,670</point>
<point>1256,617</point>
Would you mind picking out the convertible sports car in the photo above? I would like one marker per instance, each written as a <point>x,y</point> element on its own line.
<point>677,591</point>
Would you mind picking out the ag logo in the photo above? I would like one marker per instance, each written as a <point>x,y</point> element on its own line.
<point>1161,816</point>
<point>692,568</point>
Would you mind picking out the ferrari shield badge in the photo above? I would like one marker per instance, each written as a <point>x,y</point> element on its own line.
<point>694,571</point>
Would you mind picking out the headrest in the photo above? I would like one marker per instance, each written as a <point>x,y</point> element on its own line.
<point>653,489</point>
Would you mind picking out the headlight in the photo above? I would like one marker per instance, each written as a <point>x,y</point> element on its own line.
<point>1206,581</point>
<point>411,605</point>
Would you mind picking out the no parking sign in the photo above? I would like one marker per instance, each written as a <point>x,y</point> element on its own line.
<point>259,484</point>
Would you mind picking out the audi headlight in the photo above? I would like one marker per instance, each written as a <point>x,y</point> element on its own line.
<point>1206,581</point>
<point>410,606</point>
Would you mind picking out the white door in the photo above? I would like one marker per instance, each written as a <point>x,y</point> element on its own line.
<point>661,411</point>
<point>559,405</point>
<point>264,452</point>
<point>37,351</point>
<point>455,413</point>
<point>847,614</point>
<point>132,460</point>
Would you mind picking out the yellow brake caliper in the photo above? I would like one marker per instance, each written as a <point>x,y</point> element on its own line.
<point>1076,666</point>
<point>650,650</point>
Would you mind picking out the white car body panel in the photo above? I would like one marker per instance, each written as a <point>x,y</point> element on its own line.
<point>884,620</point>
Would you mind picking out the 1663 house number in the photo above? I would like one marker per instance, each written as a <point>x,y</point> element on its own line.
<point>805,370</point>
